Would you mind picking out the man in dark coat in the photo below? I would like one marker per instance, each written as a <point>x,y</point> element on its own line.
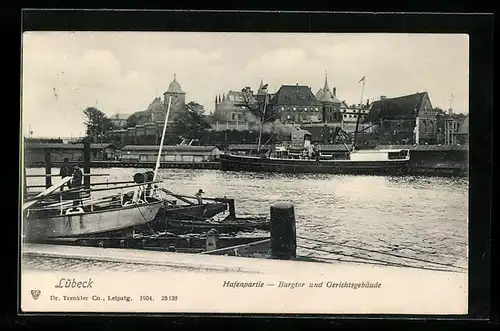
<point>65,170</point>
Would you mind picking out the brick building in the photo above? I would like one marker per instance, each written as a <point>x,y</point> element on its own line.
<point>405,119</point>
<point>296,104</point>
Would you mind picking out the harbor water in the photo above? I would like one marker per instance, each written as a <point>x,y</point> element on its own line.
<point>422,218</point>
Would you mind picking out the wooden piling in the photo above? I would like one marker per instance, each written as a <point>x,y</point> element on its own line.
<point>48,169</point>
<point>283,237</point>
<point>232,210</point>
<point>25,185</point>
<point>86,164</point>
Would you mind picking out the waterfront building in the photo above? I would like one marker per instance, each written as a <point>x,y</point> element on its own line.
<point>296,104</point>
<point>453,130</point>
<point>405,119</point>
<point>179,153</point>
<point>35,152</point>
<point>349,117</point>
<point>462,133</point>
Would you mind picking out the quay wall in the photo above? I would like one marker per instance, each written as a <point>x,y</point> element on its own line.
<point>440,160</point>
<point>439,163</point>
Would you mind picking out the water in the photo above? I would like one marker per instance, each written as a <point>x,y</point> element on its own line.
<point>417,217</point>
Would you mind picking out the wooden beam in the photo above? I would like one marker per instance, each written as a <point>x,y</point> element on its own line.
<point>48,169</point>
<point>56,175</point>
<point>245,248</point>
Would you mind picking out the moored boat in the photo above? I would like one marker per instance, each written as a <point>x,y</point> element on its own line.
<point>232,226</point>
<point>95,216</point>
<point>371,162</point>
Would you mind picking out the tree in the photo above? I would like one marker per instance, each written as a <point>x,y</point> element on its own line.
<point>96,121</point>
<point>440,113</point>
<point>132,121</point>
<point>258,107</point>
<point>193,119</point>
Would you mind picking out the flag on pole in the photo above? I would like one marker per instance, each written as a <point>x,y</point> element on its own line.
<point>264,87</point>
<point>362,79</point>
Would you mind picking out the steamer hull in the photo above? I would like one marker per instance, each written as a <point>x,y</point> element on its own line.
<point>255,164</point>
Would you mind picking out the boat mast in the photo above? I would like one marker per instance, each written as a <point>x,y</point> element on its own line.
<point>162,139</point>
<point>262,122</point>
<point>359,112</point>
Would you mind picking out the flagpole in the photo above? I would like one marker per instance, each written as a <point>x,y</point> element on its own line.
<point>162,139</point>
<point>262,122</point>
<point>359,113</point>
<point>362,92</point>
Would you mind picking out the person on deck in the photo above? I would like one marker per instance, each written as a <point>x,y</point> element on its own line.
<point>316,151</point>
<point>65,170</point>
<point>76,182</point>
<point>198,196</point>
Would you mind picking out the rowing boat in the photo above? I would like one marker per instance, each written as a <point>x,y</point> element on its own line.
<point>247,224</point>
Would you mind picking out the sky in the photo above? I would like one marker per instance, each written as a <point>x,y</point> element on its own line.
<point>122,72</point>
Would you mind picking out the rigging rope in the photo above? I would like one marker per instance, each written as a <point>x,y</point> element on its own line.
<point>144,218</point>
<point>382,253</point>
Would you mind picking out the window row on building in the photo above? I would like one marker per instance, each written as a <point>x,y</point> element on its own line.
<point>297,108</point>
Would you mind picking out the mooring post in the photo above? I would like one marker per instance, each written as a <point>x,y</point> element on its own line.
<point>211,241</point>
<point>48,169</point>
<point>283,238</point>
<point>232,209</point>
<point>86,165</point>
<point>25,186</point>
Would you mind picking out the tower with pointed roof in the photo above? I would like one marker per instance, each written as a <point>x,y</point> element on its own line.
<point>330,102</point>
<point>178,96</point>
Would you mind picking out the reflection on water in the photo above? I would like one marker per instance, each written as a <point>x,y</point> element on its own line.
<point>419,217</point>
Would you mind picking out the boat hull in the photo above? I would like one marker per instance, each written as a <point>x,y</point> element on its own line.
<point>242,225</point>
<point>89,223</point>
<point>201,212</point>
<point>255,164</point>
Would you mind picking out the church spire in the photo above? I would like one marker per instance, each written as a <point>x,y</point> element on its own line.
<point>326,88</point>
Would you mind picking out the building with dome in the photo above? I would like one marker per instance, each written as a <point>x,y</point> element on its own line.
<point>157,109</point>
<point>178,102</point>
<point>151,120</point>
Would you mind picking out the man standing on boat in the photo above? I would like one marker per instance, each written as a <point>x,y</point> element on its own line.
<point>316,151</point>
<point>76,182</point>
<point>198,196</point>
<point>65,170</point>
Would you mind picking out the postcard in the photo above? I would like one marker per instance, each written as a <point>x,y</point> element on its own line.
<point>190,172</point>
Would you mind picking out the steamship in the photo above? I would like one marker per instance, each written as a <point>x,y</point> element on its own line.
<point>300,156</point>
